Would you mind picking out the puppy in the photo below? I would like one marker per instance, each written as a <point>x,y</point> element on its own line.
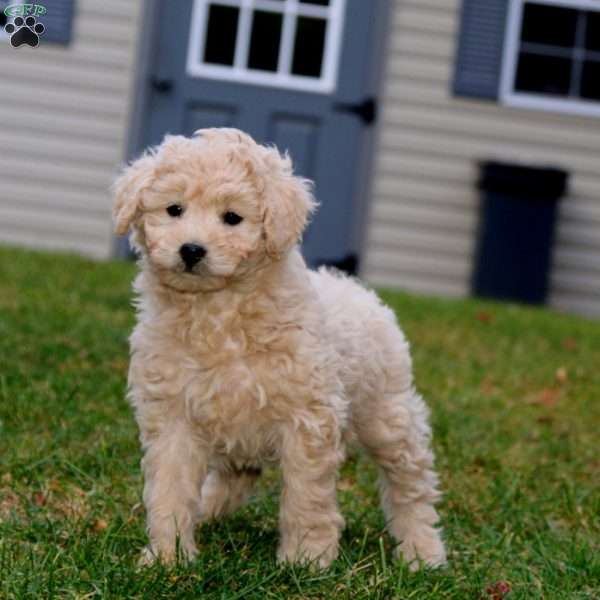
<point>242,357</point>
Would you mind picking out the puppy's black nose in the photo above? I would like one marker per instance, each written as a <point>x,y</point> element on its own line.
<point>192,254</point>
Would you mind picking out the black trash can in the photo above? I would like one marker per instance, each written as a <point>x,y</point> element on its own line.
<point>516,231</point>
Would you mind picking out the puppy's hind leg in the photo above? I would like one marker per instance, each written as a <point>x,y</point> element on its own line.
<point>224,492</point>
<point>395,431</point>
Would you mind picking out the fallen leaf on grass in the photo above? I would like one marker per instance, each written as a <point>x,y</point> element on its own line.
<point>569,344</point>
<point>547,397</point>
<point>487,387</point>
<point>498,590</point>
<point>100,525</point>
<point>484,316</point>
<point>39,499</point>
<point>55,485</point>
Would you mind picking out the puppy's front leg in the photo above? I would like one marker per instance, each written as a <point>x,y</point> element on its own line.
<point>309,520</point>
<point>174,469</point>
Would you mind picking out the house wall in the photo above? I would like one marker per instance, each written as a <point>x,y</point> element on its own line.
<point>423,221</point>
<point>64,124</point>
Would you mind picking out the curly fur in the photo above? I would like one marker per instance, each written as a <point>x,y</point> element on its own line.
<point>253,359</point>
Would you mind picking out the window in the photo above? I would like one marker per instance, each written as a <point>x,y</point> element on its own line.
<point>291,44</point>
<point>552,56</point>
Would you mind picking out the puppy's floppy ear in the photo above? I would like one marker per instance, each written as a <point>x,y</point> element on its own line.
<point>288,204</point>
<point>128,189</point>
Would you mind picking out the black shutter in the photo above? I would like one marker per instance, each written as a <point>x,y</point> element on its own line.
<point>58,21</point>
<point>479,50</point>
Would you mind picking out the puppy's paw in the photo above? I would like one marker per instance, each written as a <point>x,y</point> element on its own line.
<point>318,556</point>
<point>422,547</point>
<point>149,556</point>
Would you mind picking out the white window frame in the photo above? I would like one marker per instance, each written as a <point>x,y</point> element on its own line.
<point>282,78</point>
<point>512,97</point>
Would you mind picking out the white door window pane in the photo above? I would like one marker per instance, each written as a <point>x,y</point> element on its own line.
<point>265,41</point>
<point>309,46</point>
<point>221,34</point>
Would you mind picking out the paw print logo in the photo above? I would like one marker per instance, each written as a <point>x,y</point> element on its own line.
<point>24,31</point>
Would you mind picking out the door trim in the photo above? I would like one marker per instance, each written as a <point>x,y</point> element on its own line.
<point>139,105</point>
<point>362,201</point>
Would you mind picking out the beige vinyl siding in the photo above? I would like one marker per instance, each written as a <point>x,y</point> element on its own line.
<point>423,221</point>
<point>63,133</point>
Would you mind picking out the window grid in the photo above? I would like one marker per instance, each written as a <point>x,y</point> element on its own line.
<point>578,54</point>
<point>575,53</point>
<point>287,42</point>
<point>283,77</point>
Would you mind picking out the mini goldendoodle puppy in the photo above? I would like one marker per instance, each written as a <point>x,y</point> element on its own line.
<point>243,357</point>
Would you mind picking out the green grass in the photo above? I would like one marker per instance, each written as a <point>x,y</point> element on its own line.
<point>515,399</point>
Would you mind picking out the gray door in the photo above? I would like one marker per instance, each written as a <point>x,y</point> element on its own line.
<point>297,73</point>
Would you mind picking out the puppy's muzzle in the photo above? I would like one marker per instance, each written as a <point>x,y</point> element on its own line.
<point>191,254</point>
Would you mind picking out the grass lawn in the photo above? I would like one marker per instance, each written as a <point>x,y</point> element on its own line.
<point>515,397</point>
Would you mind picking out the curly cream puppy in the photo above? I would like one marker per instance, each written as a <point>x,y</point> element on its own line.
<point>242,357</point>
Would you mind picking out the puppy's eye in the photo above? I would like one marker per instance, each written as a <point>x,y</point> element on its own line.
<point>232,218</point>
<point>175,210</point>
